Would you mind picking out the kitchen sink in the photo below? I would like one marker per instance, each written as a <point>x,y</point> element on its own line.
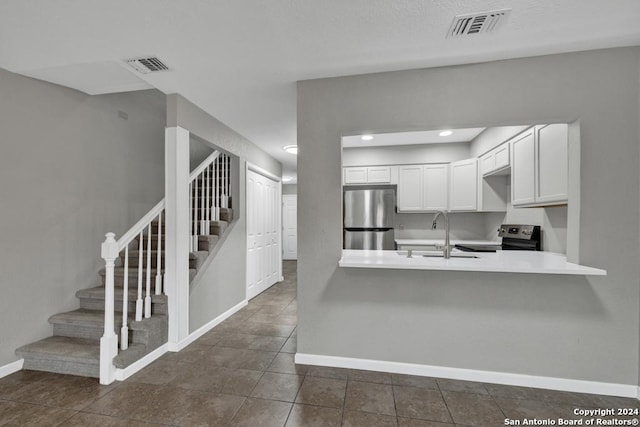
<point>452,255</point>
<point>437,254</point>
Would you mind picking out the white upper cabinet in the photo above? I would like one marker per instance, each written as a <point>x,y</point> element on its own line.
<point>423,188</point>
<point>436,187</point>
<point>379,174</point>
<point>552,161</point>
<point>410,188</point>
<point>367,175</point>
<point>496,161</point>
<point>355,175</point>
<point>464,185</point>
<point>503,159</point>
<point>523,169</point>
<point>539,174</point>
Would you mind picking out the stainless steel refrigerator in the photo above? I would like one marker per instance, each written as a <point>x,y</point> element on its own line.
<point>368,217</point>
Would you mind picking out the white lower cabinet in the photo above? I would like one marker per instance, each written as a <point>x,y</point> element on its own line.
<point>539,171</point>
<point>463,195</point>
<point>423,188</point>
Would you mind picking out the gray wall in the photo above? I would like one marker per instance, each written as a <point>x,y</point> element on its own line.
<point>198,151</point>
<point>223,284</point>
<point>70,171</point>
<point>406,154</point>
<point>560,326</point>
<point>492,137</point>
<point>289,189</point>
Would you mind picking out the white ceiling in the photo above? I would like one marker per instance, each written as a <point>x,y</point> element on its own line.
<point>239,60</point>
<point>411,138</point>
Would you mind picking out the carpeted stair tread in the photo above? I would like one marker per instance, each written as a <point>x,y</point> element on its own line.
<point>63,355</point>
<point>98,292</point>
<point>71,349</point>
<point>119,272</point>
<point>82,316</point>
<point>93,299</point>
<point>206,243</point>
<point>200,257</point>
<point>131,355</point>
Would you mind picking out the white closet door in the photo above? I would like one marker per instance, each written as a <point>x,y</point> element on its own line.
<point>290,226</point>
<point>252,272</point>
<point>263,248</point>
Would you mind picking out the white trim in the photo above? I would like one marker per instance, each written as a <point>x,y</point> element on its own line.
<point>206,327</point>
<point>263,172</point>
<point>11,368</point>
<point>638,393</point>
<point>177,218</point>
<point>123,374</point>
<point>552,383</point>
<point>203,165</point>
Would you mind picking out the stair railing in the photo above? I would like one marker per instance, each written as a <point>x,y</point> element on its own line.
<point>209,193</point>
<point>111,250</point>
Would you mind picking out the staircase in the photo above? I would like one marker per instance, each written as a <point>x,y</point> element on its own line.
<point>74,347</point>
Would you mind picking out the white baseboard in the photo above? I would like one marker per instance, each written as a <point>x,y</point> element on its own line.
<point>552,383</point>
<point>206,327</point>
<point>11,368</point>
<point>123,374</point>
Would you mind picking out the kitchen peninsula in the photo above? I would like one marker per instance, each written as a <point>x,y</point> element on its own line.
<point>496,262</point>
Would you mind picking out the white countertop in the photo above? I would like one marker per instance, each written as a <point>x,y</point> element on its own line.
<point>434,242</point>
<point>497,262</point>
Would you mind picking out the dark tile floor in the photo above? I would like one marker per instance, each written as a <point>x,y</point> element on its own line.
<point>242,373</point>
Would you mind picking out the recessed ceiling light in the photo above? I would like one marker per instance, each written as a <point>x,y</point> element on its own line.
<point>286,178</point>
<point>366,137</point>
<point>291,149</point>
<point>445,133</point>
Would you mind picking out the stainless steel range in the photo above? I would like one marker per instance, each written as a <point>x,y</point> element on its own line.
<point>518,237</point>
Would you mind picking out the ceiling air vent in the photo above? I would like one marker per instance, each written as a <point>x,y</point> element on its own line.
<point>147,65</point>
<point>477,23</point>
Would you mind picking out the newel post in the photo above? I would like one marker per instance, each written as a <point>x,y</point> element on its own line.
<point>109,340</point>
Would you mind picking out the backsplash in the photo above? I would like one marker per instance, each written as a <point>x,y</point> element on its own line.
<point>464,226</point>
<point>484,225</point>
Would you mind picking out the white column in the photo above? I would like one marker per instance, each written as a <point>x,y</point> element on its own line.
<point>109,340</point>
<point>177,218</point>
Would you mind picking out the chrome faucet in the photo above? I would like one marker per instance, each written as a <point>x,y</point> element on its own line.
<point>447,244</point>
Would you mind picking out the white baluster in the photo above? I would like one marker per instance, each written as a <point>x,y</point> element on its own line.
<point>207,201</point>
<point>109,340</point>
<point>191,230</point>
<point>195,216</point>
<point>140,272</point>
<point>215,190</point>
<point>219,190</point>
<point>228,179</point>
<point>124,330</point>
<point>202,213</point>
<point>147,298</point>
<point>159,261</point>
<point>224,174</point>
